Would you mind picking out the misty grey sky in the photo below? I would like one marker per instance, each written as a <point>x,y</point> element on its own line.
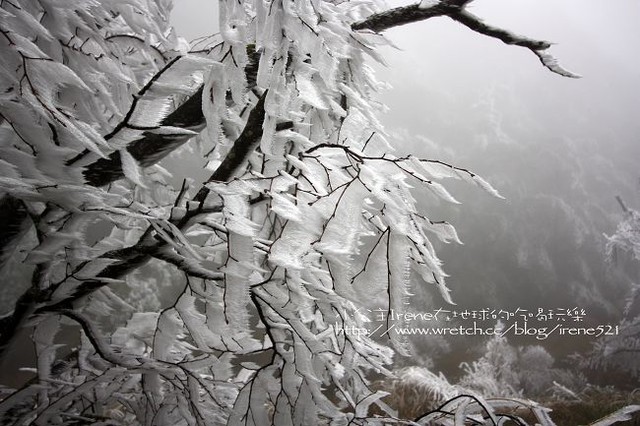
<point>195,18</point>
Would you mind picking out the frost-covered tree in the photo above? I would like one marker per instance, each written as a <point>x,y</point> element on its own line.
<point>305,213</point>
<point>619,349</point>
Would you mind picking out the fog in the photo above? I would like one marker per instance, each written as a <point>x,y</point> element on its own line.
<point>558,149</point>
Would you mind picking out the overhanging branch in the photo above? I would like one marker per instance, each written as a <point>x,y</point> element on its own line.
<point>399,16</point>
<point>538,47</point>
<point>455,9</point>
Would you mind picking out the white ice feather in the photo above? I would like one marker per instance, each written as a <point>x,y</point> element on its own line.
<point>486,186</point>
<point>621,415</point>
<point>131,168</point>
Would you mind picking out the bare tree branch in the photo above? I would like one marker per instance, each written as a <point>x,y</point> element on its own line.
<point>398,16</point>
<point>455,10</point>
<point>623,206</point>
<point>538,47</point>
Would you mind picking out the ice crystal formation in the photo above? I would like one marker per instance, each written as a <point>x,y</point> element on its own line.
<point>219,301</point>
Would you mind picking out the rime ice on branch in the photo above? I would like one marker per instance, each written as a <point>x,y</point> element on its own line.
<point>305,205</point>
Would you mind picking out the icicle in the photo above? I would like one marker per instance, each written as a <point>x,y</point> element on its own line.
<point>194,322</point>
<point>552,64</point>
<point>398,263</point>
<point>151,112</point>
<point>214,104</point>
<point>43,337</point>
<point>343,229</point>
<point>308,89</point>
